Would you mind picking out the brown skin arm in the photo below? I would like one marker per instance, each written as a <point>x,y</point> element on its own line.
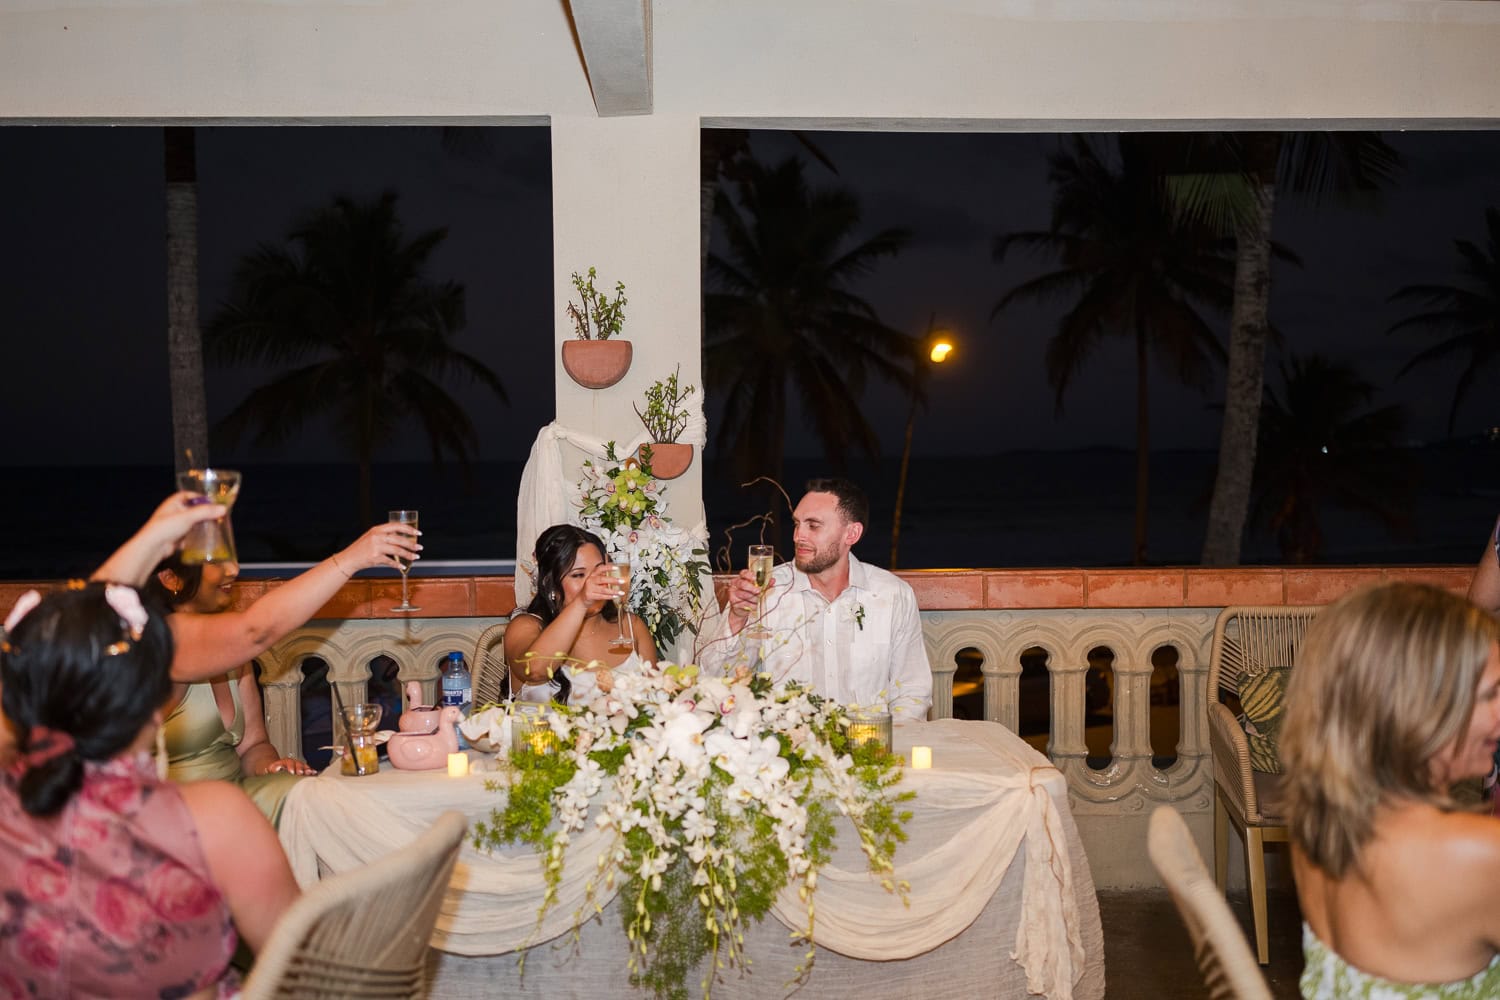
<point>209,645</point>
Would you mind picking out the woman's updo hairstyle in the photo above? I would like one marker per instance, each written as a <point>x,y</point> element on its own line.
<point>73,666</point>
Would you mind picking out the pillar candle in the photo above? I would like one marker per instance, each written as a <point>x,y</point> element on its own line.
<point>921,758</point>
<point>458,765</point>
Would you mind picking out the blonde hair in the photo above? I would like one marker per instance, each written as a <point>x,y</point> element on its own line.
<point>1385,680</point>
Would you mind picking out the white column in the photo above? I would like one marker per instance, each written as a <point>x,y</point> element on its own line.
<point>625,201</point>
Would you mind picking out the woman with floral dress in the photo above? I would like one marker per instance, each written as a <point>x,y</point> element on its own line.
<point>113,881</point>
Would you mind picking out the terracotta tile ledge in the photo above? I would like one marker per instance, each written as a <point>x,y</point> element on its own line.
<point>936,589</point>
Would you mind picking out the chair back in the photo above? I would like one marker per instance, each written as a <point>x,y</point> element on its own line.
<point>1229,969</point>
<point>491,677</point>
<point>363,933</point>
<point>1250,640</point>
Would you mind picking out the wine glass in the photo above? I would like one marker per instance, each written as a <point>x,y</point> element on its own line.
<point>762,562</point>
<point>210,541</point>
<point>619,573</point>
<point>404,562</point>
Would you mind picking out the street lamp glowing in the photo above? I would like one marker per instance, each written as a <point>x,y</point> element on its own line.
<point>940,351</point>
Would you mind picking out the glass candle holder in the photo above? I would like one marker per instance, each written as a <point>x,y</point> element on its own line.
<point>868,726</point>
<point>531,729</point>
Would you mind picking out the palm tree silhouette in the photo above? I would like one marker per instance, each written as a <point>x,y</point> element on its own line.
<point>1233,182</point>
<point>367,335</point>
<point>1133,269</point>
<point>1318,448</point>
<point>783,321</point>
<point>184,339</point>
<point>1466,313</point>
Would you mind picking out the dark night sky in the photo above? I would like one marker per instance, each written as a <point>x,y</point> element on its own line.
<point>84,311</point>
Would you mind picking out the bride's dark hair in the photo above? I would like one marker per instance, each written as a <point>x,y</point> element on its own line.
<point>556,551</point>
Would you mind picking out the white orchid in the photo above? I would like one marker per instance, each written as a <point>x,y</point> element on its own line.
<point>686,770</point>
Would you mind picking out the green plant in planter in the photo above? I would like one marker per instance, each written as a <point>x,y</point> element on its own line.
<point>666,417</point>
<point>599,318</point>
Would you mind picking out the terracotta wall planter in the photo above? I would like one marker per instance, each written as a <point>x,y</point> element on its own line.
<point>668,461</point>
<point>596,364</point>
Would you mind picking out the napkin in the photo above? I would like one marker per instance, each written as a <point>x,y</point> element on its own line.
<point>488,730</point>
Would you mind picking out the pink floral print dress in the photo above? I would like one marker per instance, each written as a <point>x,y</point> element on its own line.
<point>111,897</point>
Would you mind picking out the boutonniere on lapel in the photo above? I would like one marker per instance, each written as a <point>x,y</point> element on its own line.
<point>859,616</point>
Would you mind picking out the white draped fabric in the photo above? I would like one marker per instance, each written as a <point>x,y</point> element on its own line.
<point>974,888</point>
<point>549,485</point>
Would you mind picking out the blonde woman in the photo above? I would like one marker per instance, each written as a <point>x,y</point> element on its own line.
<point>1395,698</point>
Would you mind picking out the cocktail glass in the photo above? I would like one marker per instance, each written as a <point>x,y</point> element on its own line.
<point>210,541</point>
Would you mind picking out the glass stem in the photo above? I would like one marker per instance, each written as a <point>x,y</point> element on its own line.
<point>404,600</point>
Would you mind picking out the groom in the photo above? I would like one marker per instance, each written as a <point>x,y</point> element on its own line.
<point>848,630</point>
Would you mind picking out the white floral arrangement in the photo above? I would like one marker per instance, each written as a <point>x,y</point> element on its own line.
<point>719,793</point>
<point>621,503</point>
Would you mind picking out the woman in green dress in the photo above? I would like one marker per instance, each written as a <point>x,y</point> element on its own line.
<point>215,730</point>
<point>1394,700</point>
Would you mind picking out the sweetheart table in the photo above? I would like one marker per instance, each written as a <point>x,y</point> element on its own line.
<point>1001,905</point>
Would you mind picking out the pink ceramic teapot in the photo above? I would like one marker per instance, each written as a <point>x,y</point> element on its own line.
<point>427,734</point>
<point>418,718</point>
<point>423,751</point>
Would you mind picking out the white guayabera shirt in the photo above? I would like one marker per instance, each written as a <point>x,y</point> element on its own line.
<point>862,648</point>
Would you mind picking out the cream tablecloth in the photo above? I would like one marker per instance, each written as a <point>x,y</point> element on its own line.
<point>1002,903</point>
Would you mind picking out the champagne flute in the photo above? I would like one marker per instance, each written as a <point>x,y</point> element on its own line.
<point>762,562</point>
<point>619,573</point>
<point>404,562</point>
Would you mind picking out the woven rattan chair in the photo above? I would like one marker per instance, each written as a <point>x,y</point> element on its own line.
<point>1247,641</point>
<point>491,677</point>
<point>363,933</point>
<point>1229,970</point>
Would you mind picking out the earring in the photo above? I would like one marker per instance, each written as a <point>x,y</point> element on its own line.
<point>161,753</point>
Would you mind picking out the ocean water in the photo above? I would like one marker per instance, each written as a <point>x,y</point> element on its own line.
<point>1016,509</point>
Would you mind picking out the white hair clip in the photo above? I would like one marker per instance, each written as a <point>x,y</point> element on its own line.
<point>21,609</point>
<point>127,604</point>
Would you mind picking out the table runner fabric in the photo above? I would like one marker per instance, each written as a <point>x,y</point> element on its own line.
<point>987,795</point>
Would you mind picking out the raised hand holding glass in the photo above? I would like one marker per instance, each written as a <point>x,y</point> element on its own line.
<point>403,561</point>
<point>762,562</point>
<point>619,574</point>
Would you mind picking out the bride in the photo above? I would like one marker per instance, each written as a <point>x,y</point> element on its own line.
<point>559,646</point>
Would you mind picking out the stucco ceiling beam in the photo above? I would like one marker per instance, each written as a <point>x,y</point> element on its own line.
<point>614,37</point>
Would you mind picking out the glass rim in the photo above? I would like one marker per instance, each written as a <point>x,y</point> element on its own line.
<point>399,513</point>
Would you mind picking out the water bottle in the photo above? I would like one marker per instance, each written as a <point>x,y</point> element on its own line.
<point>457,688</point>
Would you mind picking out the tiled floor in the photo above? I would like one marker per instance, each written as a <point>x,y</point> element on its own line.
<point>1147,954</point>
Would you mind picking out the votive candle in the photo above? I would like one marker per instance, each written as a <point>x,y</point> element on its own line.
<point>921,758</point>
<point>458,765</point>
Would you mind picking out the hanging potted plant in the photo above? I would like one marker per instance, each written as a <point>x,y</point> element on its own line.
<point>594,360</point>
<point>665,418</point>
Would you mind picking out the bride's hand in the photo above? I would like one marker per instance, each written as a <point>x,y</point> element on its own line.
<point>599,588</point>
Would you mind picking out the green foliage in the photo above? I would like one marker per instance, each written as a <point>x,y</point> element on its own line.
<point>599,318</point>
<point>692,879</point>
<point>665,418</point>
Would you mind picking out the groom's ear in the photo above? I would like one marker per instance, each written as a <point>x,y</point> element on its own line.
<point>853,532</point>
